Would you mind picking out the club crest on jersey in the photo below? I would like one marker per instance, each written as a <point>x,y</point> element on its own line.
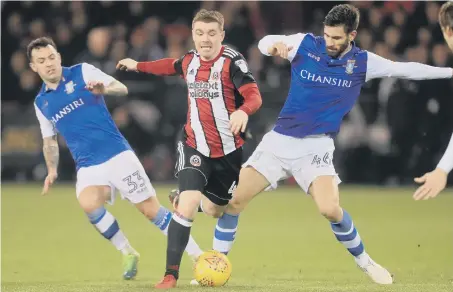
<point>350,66</point>
<point>195,160</point>
<point>215,76</point>
<point>191,72</point>
<point>242,65</point>
<point>70,87</point>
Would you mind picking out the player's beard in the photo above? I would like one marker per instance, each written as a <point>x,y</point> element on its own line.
<point>340,51</point>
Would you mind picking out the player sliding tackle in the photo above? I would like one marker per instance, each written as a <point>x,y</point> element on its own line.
<point>222,94</point>
<point>71,102</point>
<point>327,74</point>
<point>435,181</point>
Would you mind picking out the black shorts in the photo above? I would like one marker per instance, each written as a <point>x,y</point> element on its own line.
<point>216,178</point>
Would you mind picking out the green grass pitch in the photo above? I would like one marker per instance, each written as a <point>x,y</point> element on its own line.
<point>283,244</point>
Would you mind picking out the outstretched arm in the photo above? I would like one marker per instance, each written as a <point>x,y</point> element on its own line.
<point>162,67</point>
<point>378,67</point>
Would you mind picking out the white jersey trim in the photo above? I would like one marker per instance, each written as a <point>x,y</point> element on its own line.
<point>47,128</point>
<point>195,123</point>
<point>378,67</point>
<point>91,73</point>
<point>446,163</point>
<point>293,40</point>
<point>219,109</point>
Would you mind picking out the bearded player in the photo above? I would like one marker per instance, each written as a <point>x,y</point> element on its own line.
<point>222,95</point>
<point>435,181</point>
<point>327,74</point>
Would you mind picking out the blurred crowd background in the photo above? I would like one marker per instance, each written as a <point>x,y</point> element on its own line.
<point>398,129</point>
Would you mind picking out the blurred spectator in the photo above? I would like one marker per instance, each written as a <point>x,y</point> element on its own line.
<point>396,130</point>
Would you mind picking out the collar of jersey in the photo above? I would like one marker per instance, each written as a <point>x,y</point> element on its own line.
<point>213,60</point>
<point>65,75</point>
<point>343,59</point>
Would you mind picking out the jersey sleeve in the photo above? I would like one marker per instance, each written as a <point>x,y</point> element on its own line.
<point>293,40</point>
<point>178,66</point>
<point>91,73</point>
<point>47,128</point>
<point>446,163</point>
<point>378,67</point>
<point>240,73</point>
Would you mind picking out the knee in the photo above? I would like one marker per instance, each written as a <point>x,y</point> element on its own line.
<point>212,210</point>
<point>330,210</point>
<point>236,205</point>
<point>189,201</point>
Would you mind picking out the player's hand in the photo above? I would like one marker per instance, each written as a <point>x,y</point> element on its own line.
<point>238,121</point>
<point>280,49</point>
<point>96,87</point>
<point>127,64</point>
<point>50,179</point>
<point>432,184</point>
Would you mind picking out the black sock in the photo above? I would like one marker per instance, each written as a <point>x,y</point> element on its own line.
<point>178,237</point>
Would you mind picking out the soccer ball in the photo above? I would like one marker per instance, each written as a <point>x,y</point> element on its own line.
<point>212,269</point>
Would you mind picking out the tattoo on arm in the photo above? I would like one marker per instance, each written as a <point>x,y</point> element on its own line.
<point>116,88</point>
<point>51,153</point>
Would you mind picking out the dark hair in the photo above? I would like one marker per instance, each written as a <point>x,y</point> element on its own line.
<point>344,14</point>
<point>41,42</point>
<point>446,15</point>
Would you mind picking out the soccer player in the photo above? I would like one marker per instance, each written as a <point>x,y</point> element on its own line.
<point>71,103</point>
<point>327,73</point>
<point>222,94</point>
<point>435,181</point>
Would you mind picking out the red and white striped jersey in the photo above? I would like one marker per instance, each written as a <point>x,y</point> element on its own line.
<point>213,95</point>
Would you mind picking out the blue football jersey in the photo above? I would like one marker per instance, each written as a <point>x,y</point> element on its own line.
<point>324,89</point>
<point>81,117</point>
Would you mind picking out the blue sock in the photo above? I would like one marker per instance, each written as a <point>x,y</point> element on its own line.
<point>225,233</point>
<point>108,227</point>
<point>346,233</point>
<point>162,219</point>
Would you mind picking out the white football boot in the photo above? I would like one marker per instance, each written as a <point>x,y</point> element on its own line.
<point>375,271</point>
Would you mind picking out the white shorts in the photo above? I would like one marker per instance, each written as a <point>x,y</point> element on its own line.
<point>279,157</point>
<point>123,172</point>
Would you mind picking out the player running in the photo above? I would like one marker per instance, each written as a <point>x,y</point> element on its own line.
<point>71,102</point>
<point>327,74</point>
<point>222,94</point>
<point>435,181</point>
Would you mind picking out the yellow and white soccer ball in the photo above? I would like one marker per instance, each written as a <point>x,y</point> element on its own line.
<point>212,269</point>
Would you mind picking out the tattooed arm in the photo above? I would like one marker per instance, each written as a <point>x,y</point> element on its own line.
<point>51,155</point>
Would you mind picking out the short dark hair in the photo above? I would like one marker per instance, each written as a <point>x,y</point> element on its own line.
<point>446,15</point>
<point>41,42</point>
<point>343,14</point>
<point>209,16</point>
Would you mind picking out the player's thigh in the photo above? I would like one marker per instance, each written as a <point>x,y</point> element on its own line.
<point>224,178</point>
<point>316,175</point>
<point>129,177</point>
<point>263,170</point>
<point>315,161</point>
<point>192,169</point>
<point>93,188</point>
